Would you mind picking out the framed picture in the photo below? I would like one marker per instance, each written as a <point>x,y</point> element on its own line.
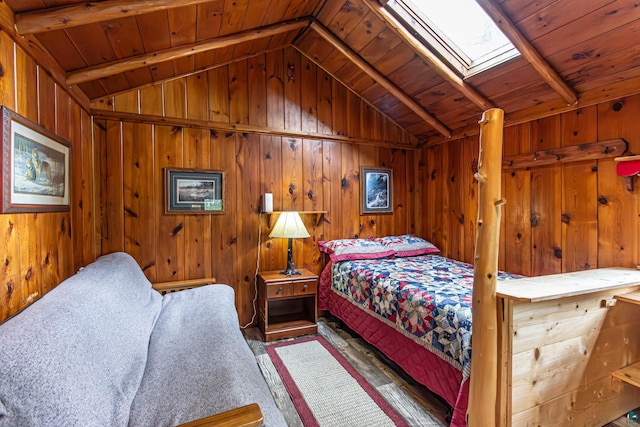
<point>35,167</point>
<point>193,191</point>
<point>376,192</point>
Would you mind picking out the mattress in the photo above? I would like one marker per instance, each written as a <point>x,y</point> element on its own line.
<point>416,310</point>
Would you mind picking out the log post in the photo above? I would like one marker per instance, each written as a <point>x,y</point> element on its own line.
<point>483,401</point>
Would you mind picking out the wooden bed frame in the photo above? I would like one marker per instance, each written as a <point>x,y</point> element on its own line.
<point>566,352</point>
<point>564,343</point>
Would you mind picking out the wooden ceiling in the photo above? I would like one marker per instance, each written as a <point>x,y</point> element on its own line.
<point>574,52</point>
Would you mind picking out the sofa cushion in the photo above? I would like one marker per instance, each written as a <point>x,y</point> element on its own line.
<point>199,363</point>
<point>76,356</point>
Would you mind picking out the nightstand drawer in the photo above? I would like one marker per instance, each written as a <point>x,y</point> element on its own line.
<point>279,290</point>
<point>307,287</point>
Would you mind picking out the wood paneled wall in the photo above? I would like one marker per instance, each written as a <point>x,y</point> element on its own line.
<point>557,218</point>
<point>40,250</point>
<point>304,174</point>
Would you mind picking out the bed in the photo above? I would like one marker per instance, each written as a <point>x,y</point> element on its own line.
<point>415,307</point>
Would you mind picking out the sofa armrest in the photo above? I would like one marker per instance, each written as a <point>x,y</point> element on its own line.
<point>244,416</point>
<point>181,285</point>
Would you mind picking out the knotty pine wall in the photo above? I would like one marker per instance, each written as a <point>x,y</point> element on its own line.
<point>40,250</point>
<point>557,218</point>
<point>304,174</point>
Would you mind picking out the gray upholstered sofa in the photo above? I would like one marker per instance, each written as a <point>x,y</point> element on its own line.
<point>105,349</point>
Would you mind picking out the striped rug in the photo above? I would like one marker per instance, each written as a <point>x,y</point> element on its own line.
<point>326,389</point>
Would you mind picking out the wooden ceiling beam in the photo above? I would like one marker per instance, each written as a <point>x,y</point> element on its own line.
<point>598,95</point>
<point>34,49</point>
<point>429,57</point>
<point>528,52</point>
<point>99,114</point>
<point>120,66</point>
<point>380,79</point>
<point>39,21</point>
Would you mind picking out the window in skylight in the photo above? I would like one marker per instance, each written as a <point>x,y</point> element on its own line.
<point>459,30</point>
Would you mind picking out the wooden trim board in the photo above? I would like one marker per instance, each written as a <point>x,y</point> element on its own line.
<point>178,285</point>
<point>554,286</point>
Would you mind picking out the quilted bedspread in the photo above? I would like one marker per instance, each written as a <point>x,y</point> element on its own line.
<point>427,298</point>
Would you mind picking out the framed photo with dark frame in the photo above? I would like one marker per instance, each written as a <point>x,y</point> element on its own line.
<point>35,167</point>
<point>193,191</point>
<point>376,191</point>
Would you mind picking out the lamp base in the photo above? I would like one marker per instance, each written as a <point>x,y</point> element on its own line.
<point>290,272</point>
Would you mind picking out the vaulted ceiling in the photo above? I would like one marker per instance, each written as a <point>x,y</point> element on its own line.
<point>574,52</point>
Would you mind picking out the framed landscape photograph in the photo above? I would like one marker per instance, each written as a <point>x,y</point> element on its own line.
<point>35,167</point>
<point>376,192</point>
<point>193,191</point>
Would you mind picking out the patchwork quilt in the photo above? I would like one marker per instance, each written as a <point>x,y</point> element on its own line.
<point>427,298</point>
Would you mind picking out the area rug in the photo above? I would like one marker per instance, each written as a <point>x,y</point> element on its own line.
<point>326,389</point>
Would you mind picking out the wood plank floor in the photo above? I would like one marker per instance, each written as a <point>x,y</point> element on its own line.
<point>412,401</point>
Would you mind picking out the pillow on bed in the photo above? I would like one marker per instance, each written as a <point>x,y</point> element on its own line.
<point>408,245</point>
<point>351,249</point>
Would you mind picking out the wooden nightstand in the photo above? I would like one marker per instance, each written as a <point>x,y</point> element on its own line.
<point>287,306</point>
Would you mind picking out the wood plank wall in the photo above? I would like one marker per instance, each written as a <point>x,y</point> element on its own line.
<point>304,174</point>
<point>557,219</point>
<point>40,250</point>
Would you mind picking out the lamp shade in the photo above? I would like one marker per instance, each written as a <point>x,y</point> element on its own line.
<point>289,225</point>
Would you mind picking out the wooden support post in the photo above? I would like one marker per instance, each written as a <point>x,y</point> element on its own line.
<point>483,391</point>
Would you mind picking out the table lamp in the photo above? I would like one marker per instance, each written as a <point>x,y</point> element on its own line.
<point>289,226</point>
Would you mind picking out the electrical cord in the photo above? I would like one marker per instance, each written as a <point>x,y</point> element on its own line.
<point>255,277</point>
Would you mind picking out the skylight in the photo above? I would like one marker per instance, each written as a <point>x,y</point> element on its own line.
<point>459,30</point>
